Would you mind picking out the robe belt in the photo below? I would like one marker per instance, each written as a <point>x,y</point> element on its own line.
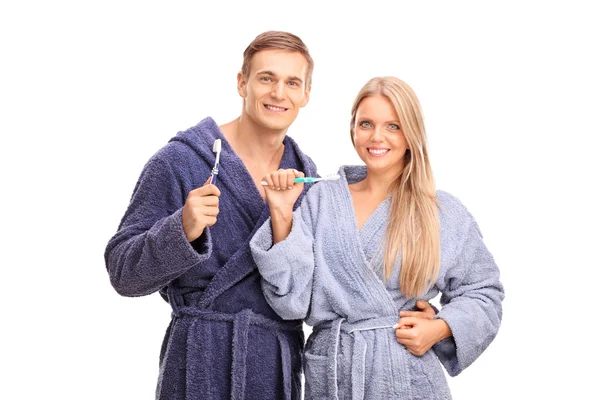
<point>359,351</point>
<point>241,325</point>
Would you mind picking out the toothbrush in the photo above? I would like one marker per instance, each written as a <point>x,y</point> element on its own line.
<point>308,179</point>
<point>215,171</point>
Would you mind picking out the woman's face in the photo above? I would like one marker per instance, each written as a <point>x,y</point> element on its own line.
<point>378,138</point>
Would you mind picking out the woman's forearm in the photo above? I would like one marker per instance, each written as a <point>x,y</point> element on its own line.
<point>281,223</point>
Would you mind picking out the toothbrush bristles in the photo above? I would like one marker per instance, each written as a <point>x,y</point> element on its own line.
<point>217,146</point>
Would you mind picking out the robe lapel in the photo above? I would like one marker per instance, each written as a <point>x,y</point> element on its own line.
<point>251,204</point>
<point>354,244</point>
<point>237,181</point>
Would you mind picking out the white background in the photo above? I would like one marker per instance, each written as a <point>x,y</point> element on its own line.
<point>90,90</point>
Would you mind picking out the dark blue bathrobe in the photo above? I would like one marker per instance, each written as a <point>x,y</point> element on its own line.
<point>224,340</point>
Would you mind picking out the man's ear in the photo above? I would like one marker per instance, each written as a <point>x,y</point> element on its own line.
<point>306,97</point>
<point>241,84</point>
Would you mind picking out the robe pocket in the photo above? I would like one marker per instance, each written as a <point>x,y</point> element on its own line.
<point>208,361</point>
<point>427,378</point>
<point>315,372</point>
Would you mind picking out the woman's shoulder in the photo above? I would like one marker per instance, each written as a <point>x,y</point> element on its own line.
<point>451,210</point>
<point>449,201</point>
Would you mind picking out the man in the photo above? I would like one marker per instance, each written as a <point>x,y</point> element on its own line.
<point>189,239</point>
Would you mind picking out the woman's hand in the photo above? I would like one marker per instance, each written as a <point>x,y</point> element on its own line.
<point>418,331</point>
<point>419,335</point>
<point>282,193</point>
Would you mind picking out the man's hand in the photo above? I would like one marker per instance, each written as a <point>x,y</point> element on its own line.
<point>200,210</point>
<point>426,311</point>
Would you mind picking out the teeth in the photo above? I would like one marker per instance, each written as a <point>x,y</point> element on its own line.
<point>273,108</point>
<point>377,152</point>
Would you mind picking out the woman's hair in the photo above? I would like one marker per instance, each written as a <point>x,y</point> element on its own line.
<point>413,228</point>
<point>277,40</point>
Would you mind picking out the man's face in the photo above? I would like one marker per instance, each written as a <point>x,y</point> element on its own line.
<point>275,89</point>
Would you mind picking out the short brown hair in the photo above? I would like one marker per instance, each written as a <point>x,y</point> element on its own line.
<point>277,40</point>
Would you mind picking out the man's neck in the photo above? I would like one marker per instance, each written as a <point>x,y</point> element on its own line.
<point>252,142</point>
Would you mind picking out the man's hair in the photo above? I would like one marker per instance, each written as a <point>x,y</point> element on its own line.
<point>277,40</point>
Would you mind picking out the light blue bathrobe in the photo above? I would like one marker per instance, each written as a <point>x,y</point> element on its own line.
<point>329,273</point>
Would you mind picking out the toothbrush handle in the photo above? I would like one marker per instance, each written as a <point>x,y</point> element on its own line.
<point>306,179</point>
<point>215,172</point>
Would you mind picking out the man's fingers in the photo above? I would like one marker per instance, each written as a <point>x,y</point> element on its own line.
<point>412,314</point>
<point>212,201</point>
<point>407,321</point>
<point>207,190</point>
<point>211,211</point>
<point>210,220</point>
<point>422,304</point>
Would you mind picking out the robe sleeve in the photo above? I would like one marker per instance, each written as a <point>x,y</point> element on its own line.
<point>150,248</point>
<point>287,267</point>
<point>471,303</point>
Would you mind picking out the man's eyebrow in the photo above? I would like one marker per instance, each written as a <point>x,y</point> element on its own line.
<point>271,73</point>
<point>265,73</point>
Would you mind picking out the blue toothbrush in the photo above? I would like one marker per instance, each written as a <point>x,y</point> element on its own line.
<point>215,170</point>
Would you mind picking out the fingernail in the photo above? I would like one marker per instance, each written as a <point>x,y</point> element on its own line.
<point>278,188</point>
<point>289,187</point>
<point>395,326</point>
<point>273,187</point>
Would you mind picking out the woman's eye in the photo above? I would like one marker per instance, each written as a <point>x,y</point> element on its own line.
<point>394,127</point>
<point>365,124</point>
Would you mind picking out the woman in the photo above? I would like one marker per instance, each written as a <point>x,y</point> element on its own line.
<point>372,243</point>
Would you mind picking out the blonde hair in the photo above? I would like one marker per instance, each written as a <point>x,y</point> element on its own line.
<point>281,41</point>
<point>413,227</point>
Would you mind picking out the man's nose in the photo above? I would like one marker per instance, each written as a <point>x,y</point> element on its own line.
<point>278,90</point>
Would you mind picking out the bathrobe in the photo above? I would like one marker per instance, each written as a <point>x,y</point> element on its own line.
<point>329,273</point>
<point>224,340</point>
